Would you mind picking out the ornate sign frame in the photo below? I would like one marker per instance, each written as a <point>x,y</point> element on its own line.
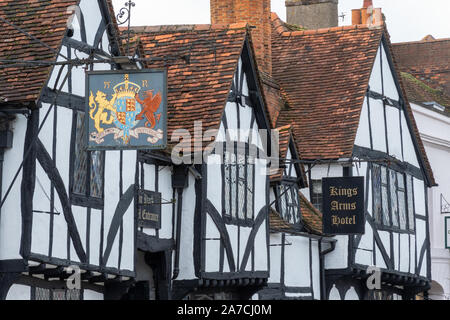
<point>121,114</point>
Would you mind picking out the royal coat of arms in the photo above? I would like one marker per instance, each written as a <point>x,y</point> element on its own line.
<point>126,114</point>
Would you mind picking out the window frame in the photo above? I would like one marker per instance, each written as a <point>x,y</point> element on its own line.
<point>86,200</point>
<point>313,194</point>
<point>380,224</point>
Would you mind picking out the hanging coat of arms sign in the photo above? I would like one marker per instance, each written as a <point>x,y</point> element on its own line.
<point>126,109</point>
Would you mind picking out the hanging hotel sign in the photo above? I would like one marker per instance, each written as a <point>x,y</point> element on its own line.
<point>447,232</point>
<point>126,109</point>
<point>343,205</point>
<point>149,209</point>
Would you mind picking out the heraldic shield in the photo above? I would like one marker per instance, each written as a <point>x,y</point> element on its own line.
<point>127,110</point>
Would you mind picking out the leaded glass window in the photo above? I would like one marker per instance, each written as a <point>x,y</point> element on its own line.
<point>385,196</point>
<point>239,171</point>
<point>393,203</point>
<point>377,200</point>
<point>80,157</point>
<point>410,191</point>
<point>394,200</point>
<point>316,194</point>
<point>86,164</point>
<point>290,203</point>
<point>401,200</point>
<point>42,294</point>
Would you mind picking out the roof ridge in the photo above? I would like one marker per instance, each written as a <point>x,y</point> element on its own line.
<point>187,27</point>
<point>329,30</point>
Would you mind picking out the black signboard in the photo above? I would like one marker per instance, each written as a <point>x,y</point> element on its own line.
<point>149,209</point>
<point>343,205</point>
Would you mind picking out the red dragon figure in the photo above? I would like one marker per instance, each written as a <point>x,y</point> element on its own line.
<point>149,106</point>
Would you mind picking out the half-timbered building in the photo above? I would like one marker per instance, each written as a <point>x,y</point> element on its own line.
<point>220,181</point>
<point>63,208</point>
<point>296,238</point>
<point>346,101</point>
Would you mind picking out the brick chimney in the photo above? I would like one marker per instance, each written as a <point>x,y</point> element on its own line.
<point>257,14</point>
<point>312,14</point>
<point>362,16</point>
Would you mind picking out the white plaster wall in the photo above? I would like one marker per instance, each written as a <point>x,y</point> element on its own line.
<point>187,270</point>
<point>275,258</point>
<point>297,262</point>
<point>11,220</point>
<point>90,295</point>
<point>19,292</point>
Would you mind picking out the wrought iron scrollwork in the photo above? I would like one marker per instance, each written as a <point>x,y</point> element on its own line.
<point>125,12</point>
<point>124,16</point>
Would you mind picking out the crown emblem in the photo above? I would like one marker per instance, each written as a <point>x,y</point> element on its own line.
<point>126,88</point>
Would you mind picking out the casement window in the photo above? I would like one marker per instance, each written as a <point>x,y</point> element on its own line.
<point>239,185</point>
<point>289,202</point>
<point>316,194</point>
<point>393,200</point>
<point>87,168</point>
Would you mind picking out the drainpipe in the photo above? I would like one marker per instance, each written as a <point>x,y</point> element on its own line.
<point>322,266</point>
<point>176,269</point>
<point>179,183</point>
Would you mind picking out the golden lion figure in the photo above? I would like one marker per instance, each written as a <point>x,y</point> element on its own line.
<point>101,117</point>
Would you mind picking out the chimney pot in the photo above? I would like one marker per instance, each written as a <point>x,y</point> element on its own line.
<point>367,3</point>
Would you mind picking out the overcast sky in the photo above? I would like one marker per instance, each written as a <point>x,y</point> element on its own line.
<point>407,20</point>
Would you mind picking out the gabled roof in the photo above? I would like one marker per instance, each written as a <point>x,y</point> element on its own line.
<point>324,75</point>
<point>47,21</point>
<point>202,60</point>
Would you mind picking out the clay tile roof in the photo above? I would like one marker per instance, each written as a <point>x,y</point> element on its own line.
<point>324,75</point>
<point>419,92</point>
<point>428,60</point>
<point>277,223</point>
<point>311,216</point>
<point>203,60</point>
<point>310,66</point>
<point>312,219</point>
<point>45,20</point>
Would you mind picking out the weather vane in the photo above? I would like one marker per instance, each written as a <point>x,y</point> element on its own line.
<point>123,17</point>
<point>342,16</point>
